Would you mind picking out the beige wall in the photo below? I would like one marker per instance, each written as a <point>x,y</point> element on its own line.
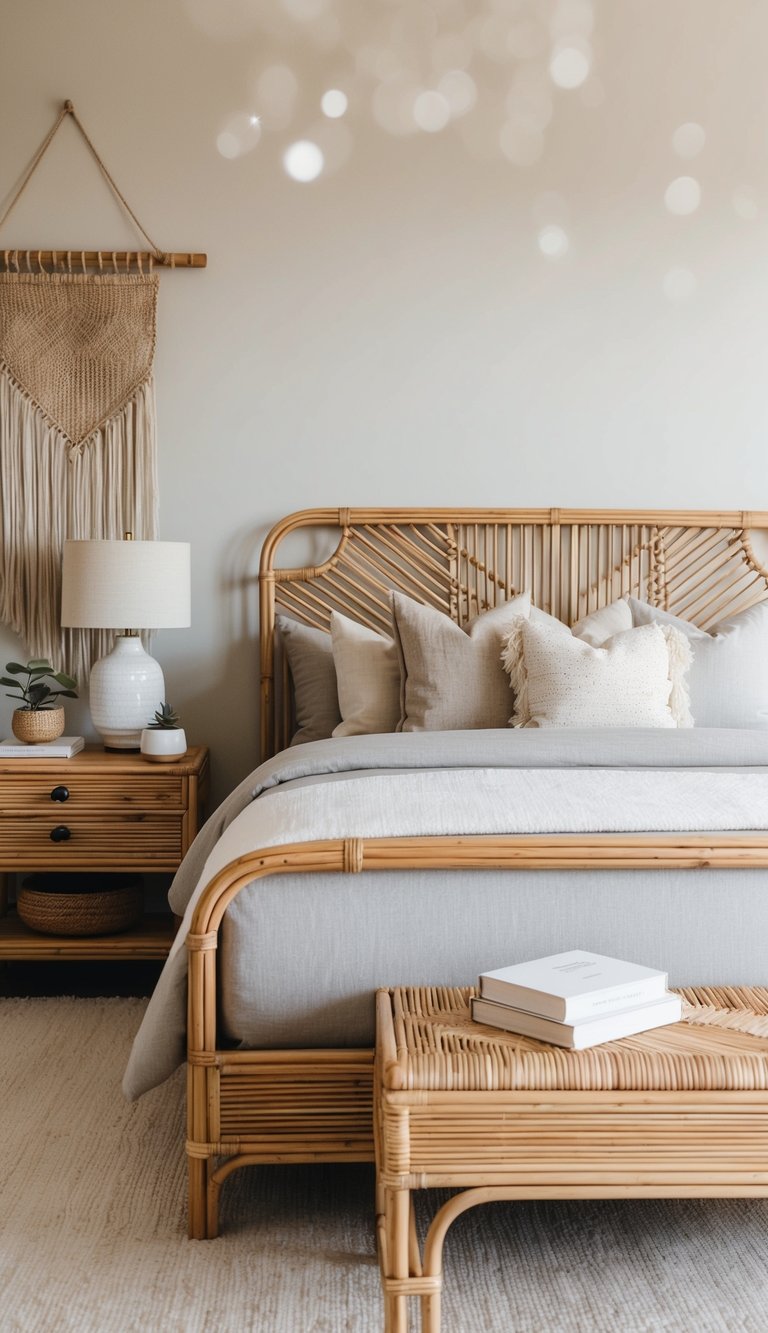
<point>391,332</point>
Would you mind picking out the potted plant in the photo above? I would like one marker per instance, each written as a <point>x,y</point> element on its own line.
<point>39,717</point>
<point>163,740</point>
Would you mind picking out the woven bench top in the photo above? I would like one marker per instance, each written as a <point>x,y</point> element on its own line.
<point>722,1043</point>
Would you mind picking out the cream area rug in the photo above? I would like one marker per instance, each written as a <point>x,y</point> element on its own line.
<point>92,1224</point>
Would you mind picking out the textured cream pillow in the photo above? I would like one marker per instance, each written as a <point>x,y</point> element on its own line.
<point>637,679</point>
<point>452,679</point>
<point>367,678</point>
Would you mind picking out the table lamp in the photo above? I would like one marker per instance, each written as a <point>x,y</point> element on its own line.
<point>111,585</point>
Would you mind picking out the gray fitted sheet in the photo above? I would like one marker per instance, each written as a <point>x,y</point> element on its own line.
<point>302,955</point>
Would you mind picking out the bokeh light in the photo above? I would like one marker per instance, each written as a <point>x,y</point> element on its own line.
<point>553,241</point>
<point>334,103</point>
<point>303,161</point>
<point>459,90</point>
<point>431,111</point>
<point>570,66</point>
<point>683,195</point>
<point>689,139</point>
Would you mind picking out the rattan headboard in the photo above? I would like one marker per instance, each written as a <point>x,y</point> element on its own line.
<point>700,565</point>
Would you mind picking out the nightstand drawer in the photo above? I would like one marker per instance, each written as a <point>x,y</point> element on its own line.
<point>72,790</point>
<point>118,842</point>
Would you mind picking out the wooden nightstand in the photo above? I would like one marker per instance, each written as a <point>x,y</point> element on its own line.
<point>103,811</point>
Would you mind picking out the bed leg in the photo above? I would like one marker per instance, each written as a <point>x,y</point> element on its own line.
<point>198,1198</point>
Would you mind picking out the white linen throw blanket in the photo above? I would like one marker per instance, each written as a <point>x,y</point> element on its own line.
<point>451,783</point>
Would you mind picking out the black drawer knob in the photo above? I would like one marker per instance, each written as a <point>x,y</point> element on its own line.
<point>60,794</point>
<point>60,833</point>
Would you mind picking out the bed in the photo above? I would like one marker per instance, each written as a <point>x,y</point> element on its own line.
<point>425,856</point>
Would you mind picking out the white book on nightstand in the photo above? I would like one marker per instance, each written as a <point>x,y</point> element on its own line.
<point>64,748</point>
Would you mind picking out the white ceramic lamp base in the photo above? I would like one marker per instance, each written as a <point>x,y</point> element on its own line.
<point>125,689</point>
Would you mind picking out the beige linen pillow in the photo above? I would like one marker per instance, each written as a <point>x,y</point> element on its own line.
<point>637,679</point>
<point>367,678</point>
<point>452,679</point>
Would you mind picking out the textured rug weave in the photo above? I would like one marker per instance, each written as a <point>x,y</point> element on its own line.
<point>92,1224</point>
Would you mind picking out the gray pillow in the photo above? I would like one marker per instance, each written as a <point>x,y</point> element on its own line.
<point>310,658</point>
<point>452,679</point>
<point>728,679</point>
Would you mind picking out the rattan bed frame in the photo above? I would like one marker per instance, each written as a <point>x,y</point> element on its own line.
<point>251,1107</point>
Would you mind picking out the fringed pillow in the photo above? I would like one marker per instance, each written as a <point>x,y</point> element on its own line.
<point>637,679</point>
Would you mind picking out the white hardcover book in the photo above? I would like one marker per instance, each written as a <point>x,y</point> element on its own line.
<point>587,1031</point>
<point>573,985</point>
<point>64,748</point>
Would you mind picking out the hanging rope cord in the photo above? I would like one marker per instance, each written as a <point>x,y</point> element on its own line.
<point>69,110</point>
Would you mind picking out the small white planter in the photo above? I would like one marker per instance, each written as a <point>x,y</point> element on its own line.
<point>162,745</point>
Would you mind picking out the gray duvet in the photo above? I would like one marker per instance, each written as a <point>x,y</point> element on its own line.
<point>301,955</point>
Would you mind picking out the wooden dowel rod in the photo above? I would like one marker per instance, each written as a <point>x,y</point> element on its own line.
<point>34,260</point>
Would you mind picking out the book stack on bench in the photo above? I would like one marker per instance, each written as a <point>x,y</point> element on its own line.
<point>576,999</point>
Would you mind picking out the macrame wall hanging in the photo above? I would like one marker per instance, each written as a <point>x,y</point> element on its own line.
<point>77,417</point>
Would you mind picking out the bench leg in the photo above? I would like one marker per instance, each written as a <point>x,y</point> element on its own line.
<point>397,1242</point>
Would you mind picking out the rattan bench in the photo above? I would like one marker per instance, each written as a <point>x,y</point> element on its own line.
<point>680,1111</point>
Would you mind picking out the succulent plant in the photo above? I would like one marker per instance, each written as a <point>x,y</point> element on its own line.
<point>165,719</point>
<point>34,694</point>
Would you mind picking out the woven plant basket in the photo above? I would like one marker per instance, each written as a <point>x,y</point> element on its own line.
<point>33,726</point>
<point>46,904</point>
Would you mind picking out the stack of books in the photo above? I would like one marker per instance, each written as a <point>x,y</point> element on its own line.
<point>576,999</point>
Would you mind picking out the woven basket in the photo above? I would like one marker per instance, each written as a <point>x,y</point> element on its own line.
<point>33,726</point>
<point>46,904</point>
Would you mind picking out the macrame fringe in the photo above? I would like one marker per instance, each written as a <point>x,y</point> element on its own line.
<point>513,661</point>
<point>52,492</point>
<point>680,658</point>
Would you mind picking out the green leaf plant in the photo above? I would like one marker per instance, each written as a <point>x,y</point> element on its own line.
<point>35,695</point>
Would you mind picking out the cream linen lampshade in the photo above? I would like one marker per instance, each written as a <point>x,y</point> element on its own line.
<point>126,586</point>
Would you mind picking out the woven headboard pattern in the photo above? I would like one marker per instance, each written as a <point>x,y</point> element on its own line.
<point>700,565</point>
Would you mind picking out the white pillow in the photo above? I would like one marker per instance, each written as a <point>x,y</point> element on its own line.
<point>594,628</point>
<point>367,678</point>
<point>637,679</point>
<point>729,672</point>
<point>603,624</point>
